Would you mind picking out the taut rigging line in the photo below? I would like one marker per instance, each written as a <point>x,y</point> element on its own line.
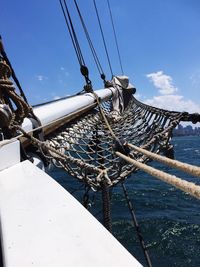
<point>75,42</point>
<point>115,35</point>
<point>103,38</point>
<point>94,53</point>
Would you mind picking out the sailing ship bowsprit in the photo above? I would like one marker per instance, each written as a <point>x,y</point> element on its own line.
<point>103,143</point>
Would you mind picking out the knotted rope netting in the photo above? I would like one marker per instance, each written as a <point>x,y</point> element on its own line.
<point>89,140</point>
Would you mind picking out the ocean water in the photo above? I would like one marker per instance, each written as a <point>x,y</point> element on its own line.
<point>169,219</point>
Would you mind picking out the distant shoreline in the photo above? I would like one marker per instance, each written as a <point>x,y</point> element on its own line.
<point>183,135</point>
<point>186,131</point>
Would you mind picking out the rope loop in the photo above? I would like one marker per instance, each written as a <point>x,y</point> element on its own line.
<point>6,85</point>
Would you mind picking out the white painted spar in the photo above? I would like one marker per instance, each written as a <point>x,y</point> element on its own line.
<point>43,225</point>
<point>54,110</point>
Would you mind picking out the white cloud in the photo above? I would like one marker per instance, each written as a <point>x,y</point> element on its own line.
<point>163,82</point>
<point>173,102</point>
<point>41,77</point>
<point>64,70</point>
<point>168,99</point>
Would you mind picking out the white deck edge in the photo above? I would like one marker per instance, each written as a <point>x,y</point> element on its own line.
<point>9,153</point>
<point>43,225</point>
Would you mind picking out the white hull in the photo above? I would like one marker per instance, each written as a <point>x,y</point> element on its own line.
<point>41,223</point>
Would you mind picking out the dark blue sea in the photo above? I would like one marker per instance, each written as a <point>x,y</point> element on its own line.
<point>169,219</point>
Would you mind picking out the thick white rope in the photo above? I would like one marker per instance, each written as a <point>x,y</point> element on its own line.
<point>183,185</point>
<point>185,167</point>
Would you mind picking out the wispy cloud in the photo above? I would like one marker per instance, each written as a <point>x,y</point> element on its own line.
<point>64,71</point>
<point>162,82</point>
<point>173,102</point>
<point>41,77</point>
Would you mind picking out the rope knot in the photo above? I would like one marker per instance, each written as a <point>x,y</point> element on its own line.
<point>103,178</point>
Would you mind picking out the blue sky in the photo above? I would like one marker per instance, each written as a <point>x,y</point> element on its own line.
<point>159,42</point>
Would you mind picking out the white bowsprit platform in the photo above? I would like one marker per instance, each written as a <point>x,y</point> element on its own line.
<point>43,225</point>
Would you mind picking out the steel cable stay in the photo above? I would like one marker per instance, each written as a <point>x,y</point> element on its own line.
<point>94,53</point>
<point>76,44</point>
<point>115,36</point>
<point>72,32</point>
<point>103,37</point>
<point>83,68</point>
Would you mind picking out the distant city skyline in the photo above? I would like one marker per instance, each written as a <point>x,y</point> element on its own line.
<point>186,130</point>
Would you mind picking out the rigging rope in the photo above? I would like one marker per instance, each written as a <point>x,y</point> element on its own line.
<point>115,35</point>
<point>96,59</point>
<point>137,227</point>
<point>75,42</point>
<point>188,168</point>
<point>103,38</point>
<point>92,147</point>
<point>90,140</point>
<point>181,184</point>
<point>72,32</point>
<point>106,207</point>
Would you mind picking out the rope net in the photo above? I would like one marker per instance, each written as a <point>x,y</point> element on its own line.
<point>89,140</point>
<point>94,147</point>
<point>89,147</point>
